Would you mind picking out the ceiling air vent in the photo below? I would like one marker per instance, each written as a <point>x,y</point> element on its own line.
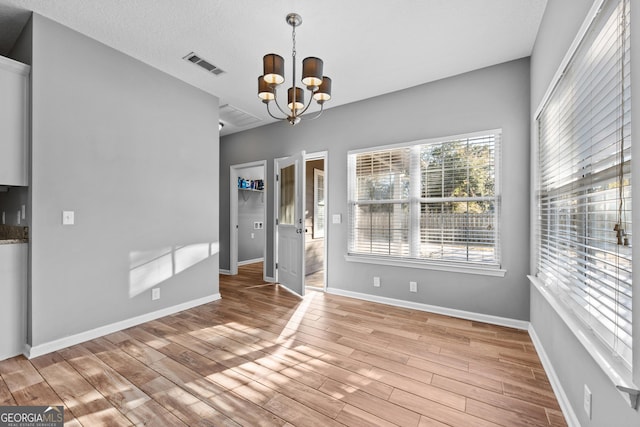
<point>208,66</point>
<point>237,117</point>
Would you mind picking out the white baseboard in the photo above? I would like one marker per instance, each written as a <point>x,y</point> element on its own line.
<point>250,261</point>
<point>224,271</point>
<point>59,344</point>
<point>269,279</point>
<point>478,317</point>
<point>563,400</point>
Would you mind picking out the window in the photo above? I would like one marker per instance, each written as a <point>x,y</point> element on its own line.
<point>318,204</point>
<point>287,195</point>
<point>584,174</point>
<point>431,200</point>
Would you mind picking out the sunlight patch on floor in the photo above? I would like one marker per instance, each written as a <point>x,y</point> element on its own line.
<point>289,331</point>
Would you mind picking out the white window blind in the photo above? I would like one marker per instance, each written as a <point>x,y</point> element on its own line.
<point>584,170</point>
<point>434,200</point>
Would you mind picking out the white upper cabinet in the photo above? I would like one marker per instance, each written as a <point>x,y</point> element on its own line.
<point>14,122</point>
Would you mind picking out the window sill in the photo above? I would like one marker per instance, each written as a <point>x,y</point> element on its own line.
<point>429,265</point>
<point>614,369</point>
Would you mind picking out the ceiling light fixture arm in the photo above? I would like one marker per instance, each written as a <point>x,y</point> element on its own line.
<point>271,114</point>
<point>275,100</point>
<point>307,118</point>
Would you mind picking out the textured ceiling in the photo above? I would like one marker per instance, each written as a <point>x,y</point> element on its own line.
<point>369,47</point>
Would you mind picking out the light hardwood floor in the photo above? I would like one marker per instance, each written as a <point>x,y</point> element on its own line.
<point>261,356</point>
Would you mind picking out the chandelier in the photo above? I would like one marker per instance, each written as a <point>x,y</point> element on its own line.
<point>318,85</point>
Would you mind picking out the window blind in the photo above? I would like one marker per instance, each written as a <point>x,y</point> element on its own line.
<point>584,171</point>
<point>433,200</point>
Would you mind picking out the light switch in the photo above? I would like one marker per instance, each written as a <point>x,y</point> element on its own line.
<point>337,218</point>
<point>68,217</point>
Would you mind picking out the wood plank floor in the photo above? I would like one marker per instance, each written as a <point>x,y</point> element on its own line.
<point>262,357</point>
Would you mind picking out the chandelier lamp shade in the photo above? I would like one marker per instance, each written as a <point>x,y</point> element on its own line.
<point>318,85</point>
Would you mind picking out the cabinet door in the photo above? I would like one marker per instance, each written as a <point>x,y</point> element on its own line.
<point>14,122</point>
<point>13,303</point>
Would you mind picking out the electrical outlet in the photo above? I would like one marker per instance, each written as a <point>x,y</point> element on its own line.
<point>413,286</point>
<point>155,294</point>
<point>587,401</point>
<point>376,282</point>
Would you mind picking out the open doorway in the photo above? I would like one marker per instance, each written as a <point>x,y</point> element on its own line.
<point>315,221</point>
<point>247,215</point>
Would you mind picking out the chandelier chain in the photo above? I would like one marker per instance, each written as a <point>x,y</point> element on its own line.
<point>293,37</point>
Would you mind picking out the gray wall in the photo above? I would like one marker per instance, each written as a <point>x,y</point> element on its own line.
<point>494,97</point>
<point>134,152</point>
<point>22,49</point>
<point>573,365</point>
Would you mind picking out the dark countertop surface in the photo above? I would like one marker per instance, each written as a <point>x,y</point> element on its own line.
<point>10,234</point>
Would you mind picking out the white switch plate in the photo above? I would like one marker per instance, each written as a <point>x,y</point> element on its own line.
<point>336,218</point>
<point>68,218</point>
<point>155,294</point>
<point>376,282</point>
<point>587,401</point>
<point>24,212</point>
<point>253,235</point>
<point>413,286</point>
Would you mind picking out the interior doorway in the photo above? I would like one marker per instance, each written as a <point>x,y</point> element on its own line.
<point>316,221</point>
<point>247,214</point>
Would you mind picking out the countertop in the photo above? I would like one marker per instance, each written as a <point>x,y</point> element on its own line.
<point>13,241</point>
<point>10,234</point>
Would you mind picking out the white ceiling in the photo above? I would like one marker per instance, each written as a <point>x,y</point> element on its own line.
<point>369,47</point>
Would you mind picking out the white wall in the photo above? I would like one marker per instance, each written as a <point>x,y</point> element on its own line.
<point>134,152</point>
<point>490,98</point>
<point>572,363</point>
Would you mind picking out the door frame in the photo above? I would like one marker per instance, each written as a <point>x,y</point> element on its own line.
<point>234,173</point>
<point>324,155</point>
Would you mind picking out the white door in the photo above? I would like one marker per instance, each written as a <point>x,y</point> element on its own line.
<point>290,222</point>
